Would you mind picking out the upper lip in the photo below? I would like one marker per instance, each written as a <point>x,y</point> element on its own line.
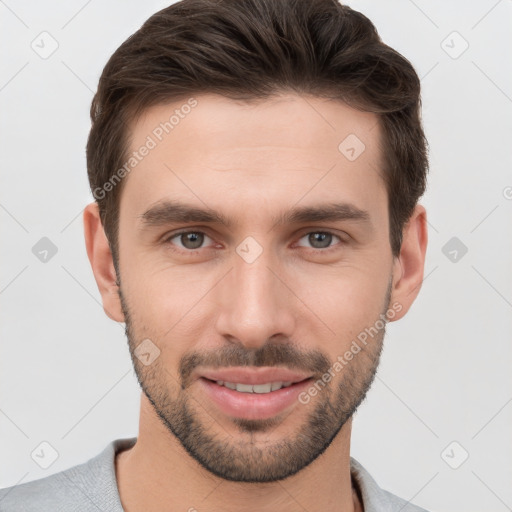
<point>254,375</point>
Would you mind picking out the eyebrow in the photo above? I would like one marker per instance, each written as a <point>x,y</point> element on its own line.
<point>174,212</point>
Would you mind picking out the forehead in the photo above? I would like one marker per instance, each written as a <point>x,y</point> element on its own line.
<point>211,149</point>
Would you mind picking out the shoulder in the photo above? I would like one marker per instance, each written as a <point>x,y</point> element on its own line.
<point>399,504</point>
<point>374,498</point>
<point>90,486</point>
<point>44,494</point>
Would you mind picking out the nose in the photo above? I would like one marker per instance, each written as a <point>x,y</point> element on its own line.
<point>256,302</point>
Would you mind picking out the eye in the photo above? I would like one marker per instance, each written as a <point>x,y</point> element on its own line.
<point>189,240</point>
<point>321,239</point>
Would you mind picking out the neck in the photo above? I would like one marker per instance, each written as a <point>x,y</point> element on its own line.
<point>157,473</point>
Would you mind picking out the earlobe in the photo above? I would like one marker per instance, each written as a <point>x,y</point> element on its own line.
<point>100,257</point>
<point>409,266</point>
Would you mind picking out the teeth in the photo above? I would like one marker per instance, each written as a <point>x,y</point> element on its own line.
<point>244,388</point>
<point>256,388</point>
<point>262,388</point>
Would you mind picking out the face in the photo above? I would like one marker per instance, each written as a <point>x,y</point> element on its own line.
<point>288,264</point>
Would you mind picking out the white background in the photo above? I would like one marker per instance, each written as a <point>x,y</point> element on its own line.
<point>65,372</point>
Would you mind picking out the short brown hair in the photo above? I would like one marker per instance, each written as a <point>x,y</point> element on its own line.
<point>253,49</point>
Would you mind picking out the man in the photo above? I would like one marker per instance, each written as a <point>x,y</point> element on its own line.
<point>256,167</point>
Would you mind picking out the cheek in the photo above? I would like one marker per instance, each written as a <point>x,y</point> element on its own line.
<point>346,300</point>
<point>168,305</point>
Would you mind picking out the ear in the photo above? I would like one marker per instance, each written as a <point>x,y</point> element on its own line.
<point>102,263</point>
<point>409,266</point>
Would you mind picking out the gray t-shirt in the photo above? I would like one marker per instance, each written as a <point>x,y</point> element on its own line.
<point>92,487</point>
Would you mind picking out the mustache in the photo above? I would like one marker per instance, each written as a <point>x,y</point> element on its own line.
<point>269,355</point>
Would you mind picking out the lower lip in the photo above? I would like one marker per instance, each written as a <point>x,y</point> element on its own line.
<point>252,406</point>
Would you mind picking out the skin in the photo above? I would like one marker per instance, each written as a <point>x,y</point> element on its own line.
<point>251,162</point>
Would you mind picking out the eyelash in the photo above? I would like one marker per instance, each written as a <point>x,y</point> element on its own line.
<point>167,241</point>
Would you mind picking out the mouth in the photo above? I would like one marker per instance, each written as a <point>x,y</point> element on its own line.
<point>262,399</point>
<point>267,387</point>
<point>260,376</point>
